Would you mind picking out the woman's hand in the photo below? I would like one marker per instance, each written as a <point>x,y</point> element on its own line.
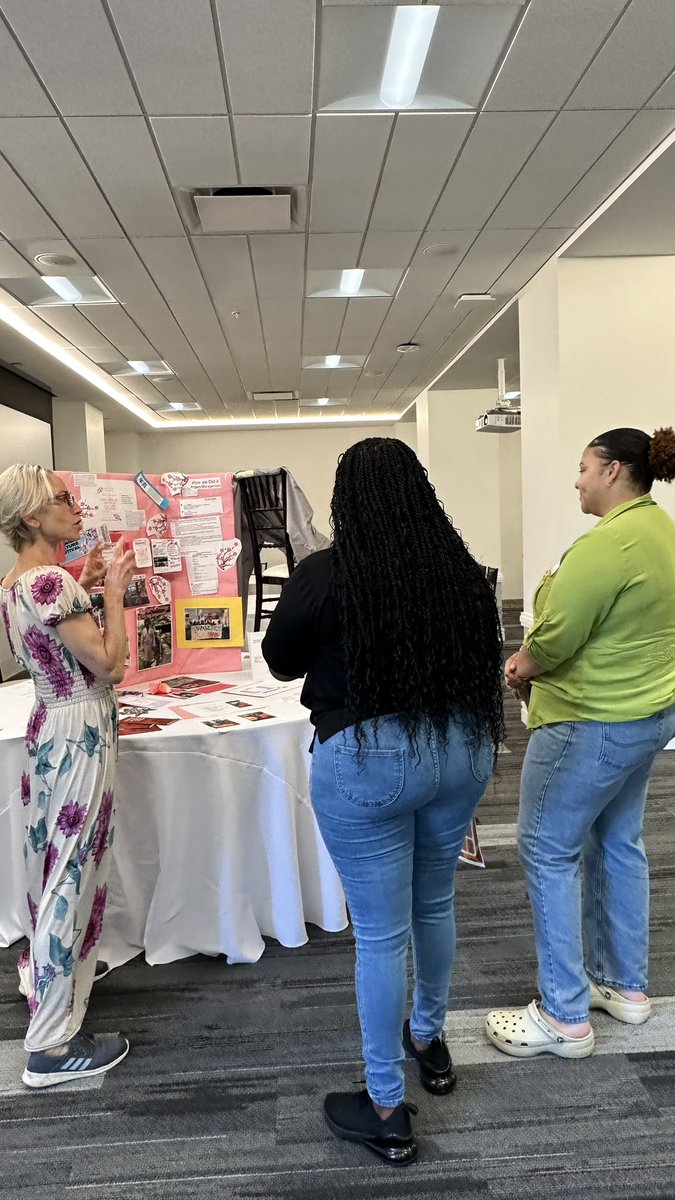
<point>120,572</point>
<point>94,570</point>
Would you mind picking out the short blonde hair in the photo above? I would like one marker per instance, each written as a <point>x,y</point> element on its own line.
<point>24,492</point>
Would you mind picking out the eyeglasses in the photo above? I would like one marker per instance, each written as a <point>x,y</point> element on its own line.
<point>65,498</point>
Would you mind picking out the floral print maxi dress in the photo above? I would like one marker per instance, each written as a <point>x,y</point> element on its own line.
<point>67,793</point>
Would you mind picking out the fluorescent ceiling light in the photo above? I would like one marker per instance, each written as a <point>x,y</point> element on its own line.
<point>156,367</point>
<point>333,360</point>
<point>138,365</point>
<point>408,47</point>
<point>351,281</point>
<point>323,401</point>
<point>63,288</point>
<point>378,418</point>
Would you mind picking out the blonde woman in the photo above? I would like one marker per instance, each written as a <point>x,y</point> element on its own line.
<point>68,780</point>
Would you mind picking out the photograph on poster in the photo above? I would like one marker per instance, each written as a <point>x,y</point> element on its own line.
<point>222,723</point>
<point>136,595</point>
<point>154,637</point>
<point>218,623</point>
<point>258,716</point>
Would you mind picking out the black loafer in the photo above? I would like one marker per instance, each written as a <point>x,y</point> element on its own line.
<point>351,1115</point>
<point>436,1073</point>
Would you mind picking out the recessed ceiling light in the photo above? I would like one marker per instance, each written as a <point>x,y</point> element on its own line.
<point>63,288</point>
<point>333,360</point>
<point>408,47</point>
<point>323,401</point>
<point>372,374</point>
<point>55,260</point>
<point>351,281</point>
<point>407,348</point>
<point>155,367</point>
<point>439,249</point>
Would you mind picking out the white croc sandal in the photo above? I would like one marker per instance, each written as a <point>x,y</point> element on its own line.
<point>633,1012</point>
<point>524,1032</point>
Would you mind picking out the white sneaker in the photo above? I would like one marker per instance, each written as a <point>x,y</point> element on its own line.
<point>632,1012</point>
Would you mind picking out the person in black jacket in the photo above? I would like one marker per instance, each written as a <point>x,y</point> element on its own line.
<point>398,635</point>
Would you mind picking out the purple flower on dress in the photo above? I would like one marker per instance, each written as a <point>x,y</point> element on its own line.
<point>46,588</point>
<point>5,617</point>
<point>51,856</point>
<point>88,676</point>
<point>43,648</point>
<point>102,825</point>
<point>61,682</point>
<point>33,1004</point>
<point>71,818</point>
<point>95,921</point>
<point>25,789</point>
<point>37,720</point>
<point>32,908</point>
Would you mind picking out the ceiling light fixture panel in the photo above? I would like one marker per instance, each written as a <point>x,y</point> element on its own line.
<point>409,43</point>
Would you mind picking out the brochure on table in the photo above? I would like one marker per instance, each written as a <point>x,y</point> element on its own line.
<point>182,609</point>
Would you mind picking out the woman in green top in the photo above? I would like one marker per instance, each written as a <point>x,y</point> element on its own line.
<point>600,663</point>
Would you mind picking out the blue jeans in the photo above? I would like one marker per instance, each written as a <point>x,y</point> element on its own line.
<point>583,793</point>
<point>394,826</point>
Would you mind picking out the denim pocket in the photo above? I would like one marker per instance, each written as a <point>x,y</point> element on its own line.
<point>372,779</point>
<point>631,743</point>
<point>482,759</point>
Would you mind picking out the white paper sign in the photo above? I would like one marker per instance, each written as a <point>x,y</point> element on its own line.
<point>204,506</point>
<point>142,552</point>
<point>135,519</point>
<point>198,533</point>
<point>108,501</point>
<point>259,668</point>
<point>165,555</point>
<point>157,526</point>
<point>204,483</point>
<point>84,479</point>
<point>202,573</point>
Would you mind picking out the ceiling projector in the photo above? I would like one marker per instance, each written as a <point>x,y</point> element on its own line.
<point>499,420</point>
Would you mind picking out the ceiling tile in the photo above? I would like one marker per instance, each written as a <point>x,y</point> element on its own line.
<point>489,256</point>
<point>273,151</point>
<point>553,47</point>
<point>637,140</point>
<point>332,251</point>
<point>20,214</point>
<point>75,326</point>
<point>348,155</point>
<point>362,325</point>
<point>20,92</point>
<point>430,272</point>
<point>226,267</point>
<point>321,331</point>
<point>571,145</point>
<point>73,50</point>
<point>122,157</point>
<point>172,50</point>
<point>538,251</point>
<point>420,155</point>
<point>260,39</point>
<point>197,151</point>
<point>665,97</point>
<point>494,154</point>
<point>171,263</point>
<point>43,154</point>
<point>13,265</point>
<point>385,248</point>
<point>635,59</point>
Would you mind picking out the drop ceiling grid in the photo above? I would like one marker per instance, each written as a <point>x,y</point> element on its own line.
<point>518,172</point>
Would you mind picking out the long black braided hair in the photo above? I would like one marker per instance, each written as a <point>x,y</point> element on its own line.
<point>419,622</point>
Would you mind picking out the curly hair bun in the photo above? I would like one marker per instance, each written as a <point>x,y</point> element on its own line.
<point>662,454</point>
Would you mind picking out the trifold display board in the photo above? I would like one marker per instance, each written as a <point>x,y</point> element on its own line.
<point>183,612</point>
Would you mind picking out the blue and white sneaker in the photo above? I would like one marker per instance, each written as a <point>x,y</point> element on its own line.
<point>85,1056</point>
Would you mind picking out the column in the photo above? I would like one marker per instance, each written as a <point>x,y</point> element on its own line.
<point>79,442</point>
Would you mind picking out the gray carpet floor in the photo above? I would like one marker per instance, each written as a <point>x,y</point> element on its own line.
<point>221,1095</point>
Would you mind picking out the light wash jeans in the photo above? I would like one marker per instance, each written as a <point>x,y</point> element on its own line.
<point>583,793</point>
<point>394,826</point>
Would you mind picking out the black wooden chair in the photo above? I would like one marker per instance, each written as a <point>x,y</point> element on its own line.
<point>492,576</point>
<point>263,506</point>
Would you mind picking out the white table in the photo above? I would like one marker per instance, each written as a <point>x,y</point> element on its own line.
<point>215,843</point>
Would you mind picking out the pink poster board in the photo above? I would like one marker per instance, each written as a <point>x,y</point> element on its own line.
<point>199,516</point>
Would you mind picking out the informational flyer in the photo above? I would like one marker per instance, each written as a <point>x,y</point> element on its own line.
<point>110,502</point>
<point>165,555</point>
<point>202,506</point>
<point>197,533</point>
<point>142,552</point>
<point>202,570</point>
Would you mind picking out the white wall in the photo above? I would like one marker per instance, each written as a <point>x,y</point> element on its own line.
<point>596,352</point>
<point>310,454</point>
<point>477,477</point>
<point>79,440</point>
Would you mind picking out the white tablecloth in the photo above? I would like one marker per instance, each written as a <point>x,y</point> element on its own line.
<point>215,840</point>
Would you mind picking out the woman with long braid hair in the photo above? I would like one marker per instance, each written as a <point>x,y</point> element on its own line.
<point>397,632</point>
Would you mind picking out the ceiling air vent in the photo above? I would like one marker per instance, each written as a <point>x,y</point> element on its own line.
<point>275,397</point>
<point>244,209</point>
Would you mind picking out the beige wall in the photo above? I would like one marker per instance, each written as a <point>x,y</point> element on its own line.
<point>309,454</point>
<point>597,352</point>
<point>477,477</point>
